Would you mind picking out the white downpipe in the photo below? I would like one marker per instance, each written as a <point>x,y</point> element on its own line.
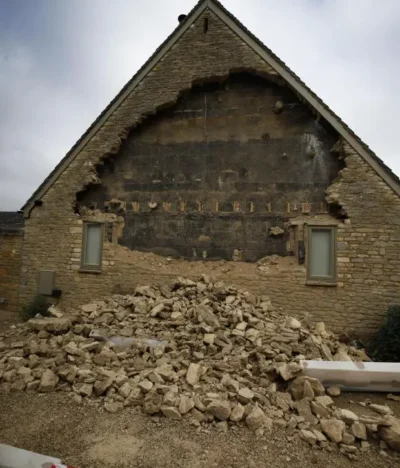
<point>356,376</point>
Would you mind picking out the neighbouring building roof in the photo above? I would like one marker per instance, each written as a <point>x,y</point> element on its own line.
<point>263,51</point>
<point>11,220</point>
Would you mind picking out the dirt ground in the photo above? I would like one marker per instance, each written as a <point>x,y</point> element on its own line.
<point>87,437</point>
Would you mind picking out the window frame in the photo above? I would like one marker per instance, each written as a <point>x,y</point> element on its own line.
<point>85,266</point>
<point>330,280</point>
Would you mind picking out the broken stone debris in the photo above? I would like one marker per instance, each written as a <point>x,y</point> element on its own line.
<point>276,231</point>
<point>391,435</point>
<point>48,381</point>
<point>203,351</point>
<point>308,436</point>
<point>359,430</point>
<point>333,391</point>
<point>333,428</point>
<point>193,374</point>
<point>220,409</point>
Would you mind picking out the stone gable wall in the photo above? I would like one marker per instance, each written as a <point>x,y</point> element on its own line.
<point>368,241</point>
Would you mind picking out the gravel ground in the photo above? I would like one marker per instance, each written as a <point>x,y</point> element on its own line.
<point>88,437</point>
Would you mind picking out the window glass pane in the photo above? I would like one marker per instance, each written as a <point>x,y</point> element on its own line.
<point>321,255</point>
<point>93,244</point>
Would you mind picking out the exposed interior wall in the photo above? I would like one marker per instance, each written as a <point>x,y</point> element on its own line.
<point>368,236</point>
<point>219,174</point>
<point>11,239</point>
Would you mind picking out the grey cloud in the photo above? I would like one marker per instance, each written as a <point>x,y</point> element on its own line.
<point>62,62</point>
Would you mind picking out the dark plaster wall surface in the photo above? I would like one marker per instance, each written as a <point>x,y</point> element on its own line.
<point>210,176</point>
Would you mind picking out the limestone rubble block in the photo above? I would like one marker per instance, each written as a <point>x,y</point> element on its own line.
<point>193,374</point>
<point>293,323</point>
<point>17,386</point>
<point>389,396</point>
<point>320,410</point>
<point>324,400</point>
<point>333,428</point>
<point>171,412</point>
<point>152,403</point>
<point>320,328</point>
<point>333,391</point>
<point>146,385</point>
<point>83,389</point>
<point>245,395</point>
<point>237,413</point>
<point>347,416</point>
<point>220,409</point>
<point>209,338</point>
<point>289,371</point>
<point>308,436</point>
<point>359,430</point>
<point>101,386</point>
<point>348,439</point>
<point>53,311</point>
<point>113,407</point>
<point>53,325</point>
<point>185,404</point>
<point>48,381</point>
<point>222,426</point>
<point>257,420</point>
<point>135,398</point>
<point>381,409</point>
<point>89,307</point>
<point>391,434</point>
<point>319,435</point>
<point>297,387</point>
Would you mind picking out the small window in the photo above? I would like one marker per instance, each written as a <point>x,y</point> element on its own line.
<point>92,246</point>
<point>321,265</point>
<point>205,25</point>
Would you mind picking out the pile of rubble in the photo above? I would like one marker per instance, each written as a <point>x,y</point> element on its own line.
<point>211,353</point>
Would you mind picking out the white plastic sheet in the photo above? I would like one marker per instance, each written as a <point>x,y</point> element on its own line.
<point>13,457</point>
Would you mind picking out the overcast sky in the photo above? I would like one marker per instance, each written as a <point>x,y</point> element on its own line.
<point>62,61</point>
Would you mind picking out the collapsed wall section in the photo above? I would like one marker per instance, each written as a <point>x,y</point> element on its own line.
<point>220,174</point>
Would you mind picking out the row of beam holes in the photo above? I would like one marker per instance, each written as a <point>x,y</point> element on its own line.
<point>237,254</point>
<point>237,207</point>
